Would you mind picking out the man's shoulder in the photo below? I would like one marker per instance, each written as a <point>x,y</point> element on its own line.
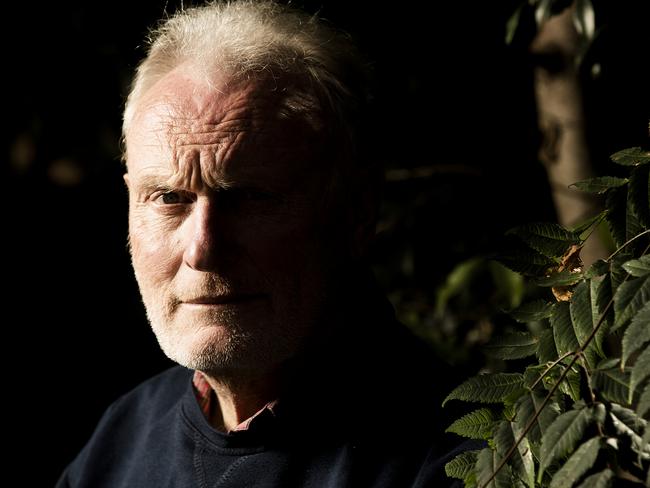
<point>156,394</point>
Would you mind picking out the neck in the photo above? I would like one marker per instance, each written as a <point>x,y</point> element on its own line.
<point>240,397</point>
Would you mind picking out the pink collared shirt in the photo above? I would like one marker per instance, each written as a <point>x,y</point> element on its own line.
<point>208,403</point>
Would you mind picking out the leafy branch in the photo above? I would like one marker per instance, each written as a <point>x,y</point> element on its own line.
<point>584,424</point>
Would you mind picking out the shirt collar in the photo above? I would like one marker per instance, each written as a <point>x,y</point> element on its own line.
<point>209,405</point>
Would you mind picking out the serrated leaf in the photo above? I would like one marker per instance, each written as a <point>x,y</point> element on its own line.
<point>475,425</point>
<point>598,268</point>
<point>551,240</point>
<point>644,403</point>
<point>563,278</point>
<point>516,345</point>
<point>577,465</point>
<point>603,297</point>
<point>521,461</point>
<point>616,204</point>
<point>630,297</point>
<point>638,267</point>
<point>571,385</point>
<point>563,333</point>
<point>640,371</point>
<point>611,384</point>
<point>618,274</point>
<point>629,418</point>
<point>602,479</point>
<point>532,311</point>
<point>600,184</point>
<point>486,464</point>
<point>546,348</point>
<point>522,259</point>
<point>526,408</point>
<point>626,422</point>
<point>582,319</point>
<point>487,388</point>
<point>563,435</point>
<point>639,194</point>
<point>603,328</point>
<point>462,465</point>
<point>587,224</point>
<point>637,334</point>
<point>632,156</point>
<point>633,223</point>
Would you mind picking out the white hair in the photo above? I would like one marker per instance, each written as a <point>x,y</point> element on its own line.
<point>261,38</point>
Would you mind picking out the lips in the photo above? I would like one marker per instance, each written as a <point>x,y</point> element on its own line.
<point>222,299</point>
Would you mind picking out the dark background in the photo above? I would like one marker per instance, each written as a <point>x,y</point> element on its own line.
<point>450,97</point>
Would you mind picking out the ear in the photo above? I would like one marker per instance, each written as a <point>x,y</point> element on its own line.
<point>126,180</point>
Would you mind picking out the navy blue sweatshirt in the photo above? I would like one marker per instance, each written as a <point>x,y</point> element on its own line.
<point>363,412</point>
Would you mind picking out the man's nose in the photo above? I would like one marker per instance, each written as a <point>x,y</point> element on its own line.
<point>205,239</point>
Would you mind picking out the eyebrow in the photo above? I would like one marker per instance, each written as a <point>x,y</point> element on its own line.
<point>149,181</point>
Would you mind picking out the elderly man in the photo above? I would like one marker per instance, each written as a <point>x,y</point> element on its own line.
<point>251,209</point>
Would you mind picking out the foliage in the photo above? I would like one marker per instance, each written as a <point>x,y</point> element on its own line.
<point>576,413</point>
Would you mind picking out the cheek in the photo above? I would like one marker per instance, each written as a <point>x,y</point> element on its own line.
<point>154,254</point>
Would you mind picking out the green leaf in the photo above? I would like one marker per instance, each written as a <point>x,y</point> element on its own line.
<point>630,297</point>
<point>600,184</point>
<point>612,384</point>
<point>602,479</point>
<point>577,465</point>
<point>638,267</point>
<point>587,224</point>
<point>603,297</point>
<point>563,333</point>
<point>546,349</point>
<point>563,435</point>
<point>525,260</point>
<point>475,425</point>
<point>526,408</point>
<point>644,403</point>
<point>571,385</point>
<point>462,465</point>
<point>633,223</point>
<point>521,461</point>
<point>532,311</point>
<point>626,422</point>
<point>563,278</point>
<point>598,268</point>
<point>603,328</point>
<point>486,465</point>
<point>551,240</point>
<point>637,334</point>
<point>458,279</point>
<point>632,156</point>
<point>516,345</point>
<point>513,23</point>
<point>640,371</point>
<point>639,194</point>
<point>616,204</point>
<point>509,284</point>
<point>487,388</point>
<point>582,319</point>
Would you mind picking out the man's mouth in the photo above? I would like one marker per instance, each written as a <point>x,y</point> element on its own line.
<point>229,299</point>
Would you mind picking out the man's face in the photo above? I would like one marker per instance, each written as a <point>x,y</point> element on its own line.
<point>227,243</point>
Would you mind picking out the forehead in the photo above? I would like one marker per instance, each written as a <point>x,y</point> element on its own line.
<point>222,130</point>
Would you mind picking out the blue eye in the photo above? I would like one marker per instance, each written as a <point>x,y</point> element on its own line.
<point>173,198</point>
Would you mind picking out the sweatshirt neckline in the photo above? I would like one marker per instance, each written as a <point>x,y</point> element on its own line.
<point>240,442</point>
